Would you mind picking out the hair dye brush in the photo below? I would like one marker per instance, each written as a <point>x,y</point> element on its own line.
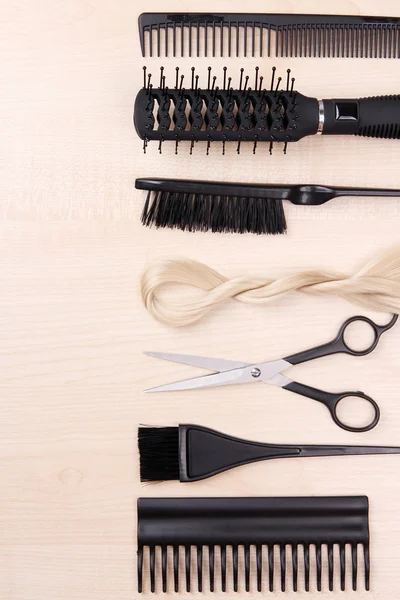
<point>191,453</point>
<point>233,207</point>
<point>223,114</point>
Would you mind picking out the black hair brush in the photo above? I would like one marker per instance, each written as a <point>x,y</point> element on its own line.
<point>233,207</point>
<point>191,453</point>
<point>255,114</point>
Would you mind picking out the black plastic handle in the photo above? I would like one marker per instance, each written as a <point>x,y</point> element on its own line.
<point>339,343</point>
<point>331,401</point>
<point>378,117</point>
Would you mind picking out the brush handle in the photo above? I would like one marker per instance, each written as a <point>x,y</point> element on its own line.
<point>336,450</point>
<point>378,117</point>
<point>205,452</point>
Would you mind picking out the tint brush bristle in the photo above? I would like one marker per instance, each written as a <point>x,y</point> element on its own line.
<point>159,453</point>
<point>198,212</point>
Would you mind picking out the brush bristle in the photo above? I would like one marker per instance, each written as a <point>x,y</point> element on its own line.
<point>197,212</point>
<point>159,453</point>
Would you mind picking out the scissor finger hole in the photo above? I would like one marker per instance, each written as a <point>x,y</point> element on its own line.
<point>354,411</point>
<point>359,336</point>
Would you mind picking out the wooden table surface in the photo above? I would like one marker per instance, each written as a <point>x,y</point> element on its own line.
<point>73,327</point>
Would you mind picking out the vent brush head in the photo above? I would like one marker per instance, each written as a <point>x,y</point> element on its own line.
<point>260,526</point>
<point>180,34</point>
<point>253,113</point>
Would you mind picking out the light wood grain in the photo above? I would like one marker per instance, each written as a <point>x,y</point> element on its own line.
<point>73,329</point>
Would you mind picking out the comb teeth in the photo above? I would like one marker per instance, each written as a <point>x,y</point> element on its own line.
<point>251,543</point>
<point>244,567</point>
<point>281,35</point>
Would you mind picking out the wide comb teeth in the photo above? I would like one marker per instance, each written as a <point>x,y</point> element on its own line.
<point>235,544</point>
<point>281,35</point>
<point>251,112</point>
<point>296,567</point>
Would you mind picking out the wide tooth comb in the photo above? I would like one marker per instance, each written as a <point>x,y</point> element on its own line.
<point>246,522</point>
<point>337,36</point>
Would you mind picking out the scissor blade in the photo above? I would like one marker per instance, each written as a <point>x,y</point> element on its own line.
<point>217,379</point>
<point>203,362</point>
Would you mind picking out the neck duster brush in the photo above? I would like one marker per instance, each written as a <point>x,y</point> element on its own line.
<point>233,207</point>
<point>254,114</point>
<point>191,453</point>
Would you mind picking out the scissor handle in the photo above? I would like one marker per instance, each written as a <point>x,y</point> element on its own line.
<point>331,401</point>
<point>339,343</point>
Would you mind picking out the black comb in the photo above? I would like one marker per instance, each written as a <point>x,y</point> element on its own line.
<point>233,207</point>
<point>261,526</point>
<point>251,113</point>
<point>269,34</point>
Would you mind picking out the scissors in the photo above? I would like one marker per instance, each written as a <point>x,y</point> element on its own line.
<point>229,372</point>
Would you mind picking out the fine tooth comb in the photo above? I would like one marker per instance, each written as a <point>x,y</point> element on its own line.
<point>255,114</point>
<point>344,36</point>
<point>233,207</point>
<point>228,527</point>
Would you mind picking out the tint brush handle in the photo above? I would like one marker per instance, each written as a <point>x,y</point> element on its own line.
<point>205,452</point>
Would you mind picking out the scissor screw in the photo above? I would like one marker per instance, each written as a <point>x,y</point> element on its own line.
<point>255,372</point>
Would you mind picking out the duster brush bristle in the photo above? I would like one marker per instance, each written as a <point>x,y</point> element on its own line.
<point>198,212</point>
<point>159,453</point>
